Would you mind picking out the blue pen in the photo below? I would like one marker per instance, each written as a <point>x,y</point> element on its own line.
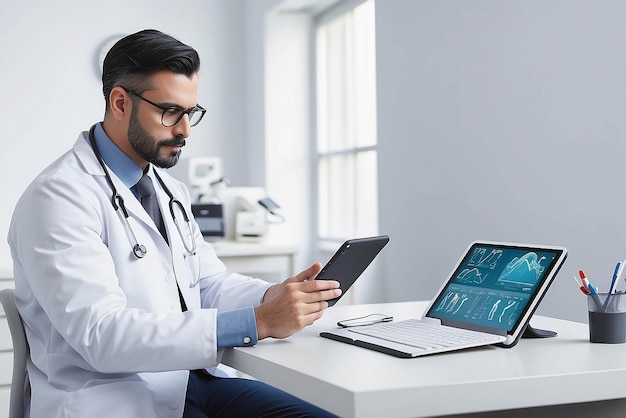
<point>615,275</point>
<point>620,274</point>
<point>596,298</point>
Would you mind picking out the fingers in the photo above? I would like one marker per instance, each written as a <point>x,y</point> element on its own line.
<point>307,274</point>
<point>321,295</point>
<point>314,316</point>
<point>310,291</point>
<point>316,290</point>
<point>319,285</point>
<point>303,282</point>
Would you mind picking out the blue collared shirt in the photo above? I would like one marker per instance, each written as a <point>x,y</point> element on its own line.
<point>234,328</point>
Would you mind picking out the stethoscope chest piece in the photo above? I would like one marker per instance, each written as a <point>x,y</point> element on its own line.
<point>139,250</point>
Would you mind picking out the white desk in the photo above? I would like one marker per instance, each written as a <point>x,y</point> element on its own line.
<point>271,262</point>
<point>356,382</point>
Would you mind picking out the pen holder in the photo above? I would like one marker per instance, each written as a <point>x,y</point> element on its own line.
<point>607,318</point>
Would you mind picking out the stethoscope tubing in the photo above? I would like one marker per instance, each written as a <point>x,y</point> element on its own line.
<point>117,201</point>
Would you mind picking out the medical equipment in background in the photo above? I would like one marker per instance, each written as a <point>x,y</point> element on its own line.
<point>203,175</point>
<point>248,213</point>
<point>210,219</point>
<point>232,213</point>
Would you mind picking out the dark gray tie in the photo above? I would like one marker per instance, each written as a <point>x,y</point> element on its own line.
<point>148,198</point>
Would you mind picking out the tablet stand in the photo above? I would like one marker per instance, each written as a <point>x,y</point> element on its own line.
<point>531,332</point>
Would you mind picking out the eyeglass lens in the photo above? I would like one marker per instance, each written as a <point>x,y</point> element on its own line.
<point>172,116</point>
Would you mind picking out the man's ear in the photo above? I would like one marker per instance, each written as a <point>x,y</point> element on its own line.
<point>120,103</point>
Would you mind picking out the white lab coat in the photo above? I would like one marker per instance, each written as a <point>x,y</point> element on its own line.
<point>106,331</point>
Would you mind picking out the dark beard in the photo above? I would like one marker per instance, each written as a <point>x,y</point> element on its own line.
<point>148,148</point>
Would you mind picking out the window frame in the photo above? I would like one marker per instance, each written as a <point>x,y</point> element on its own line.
<point>329,243</point>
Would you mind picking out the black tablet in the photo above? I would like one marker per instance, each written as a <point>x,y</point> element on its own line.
<point>350,261</point>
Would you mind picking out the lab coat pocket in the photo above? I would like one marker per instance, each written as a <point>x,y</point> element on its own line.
<point>115,400</point>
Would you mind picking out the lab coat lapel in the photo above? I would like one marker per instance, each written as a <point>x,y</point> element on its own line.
<point>175,251</point>
<point>85,154</point>
<point>183,273</point>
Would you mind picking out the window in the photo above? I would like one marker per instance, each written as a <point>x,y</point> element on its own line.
<point>347,195</point>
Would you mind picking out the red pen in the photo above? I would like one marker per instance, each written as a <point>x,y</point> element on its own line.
<point>583,277</point>
<point>582,288</point>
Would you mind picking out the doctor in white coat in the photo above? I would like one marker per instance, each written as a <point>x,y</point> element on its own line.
<point>117,314</point>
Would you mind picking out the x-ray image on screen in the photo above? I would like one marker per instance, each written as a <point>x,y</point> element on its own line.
<point>493,285</point>
<point>525,270</point>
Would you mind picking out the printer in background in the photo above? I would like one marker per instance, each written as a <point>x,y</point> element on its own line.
<point>210,219</point>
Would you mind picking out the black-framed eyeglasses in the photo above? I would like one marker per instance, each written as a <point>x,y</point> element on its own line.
<point>173,114</point>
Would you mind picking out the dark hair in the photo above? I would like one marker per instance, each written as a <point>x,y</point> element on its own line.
<point>134,58</point>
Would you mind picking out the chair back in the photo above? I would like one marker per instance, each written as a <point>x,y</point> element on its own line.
<point>19,382</point>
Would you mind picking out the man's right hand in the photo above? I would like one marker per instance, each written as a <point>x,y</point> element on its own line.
<point>294,304</point>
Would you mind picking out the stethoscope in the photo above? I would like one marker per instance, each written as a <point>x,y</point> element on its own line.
<point>117,201</point>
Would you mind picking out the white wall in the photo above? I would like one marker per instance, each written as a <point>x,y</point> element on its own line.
<point>287,128</point>
<point>504,121</point>
<point>51,91</point>
<point>497,120</point>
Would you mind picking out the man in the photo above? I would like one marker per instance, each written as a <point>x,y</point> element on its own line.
<point>119,304</point>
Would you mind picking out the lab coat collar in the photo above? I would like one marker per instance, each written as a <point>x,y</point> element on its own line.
<point>121,164</point>
<point>84,152</point>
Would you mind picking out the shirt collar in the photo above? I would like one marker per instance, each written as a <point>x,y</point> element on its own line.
<point>121,164</point>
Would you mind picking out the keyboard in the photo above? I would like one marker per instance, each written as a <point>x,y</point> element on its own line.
<point>425,335</point>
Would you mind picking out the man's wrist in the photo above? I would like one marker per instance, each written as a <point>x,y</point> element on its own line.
<point>261,327</point>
